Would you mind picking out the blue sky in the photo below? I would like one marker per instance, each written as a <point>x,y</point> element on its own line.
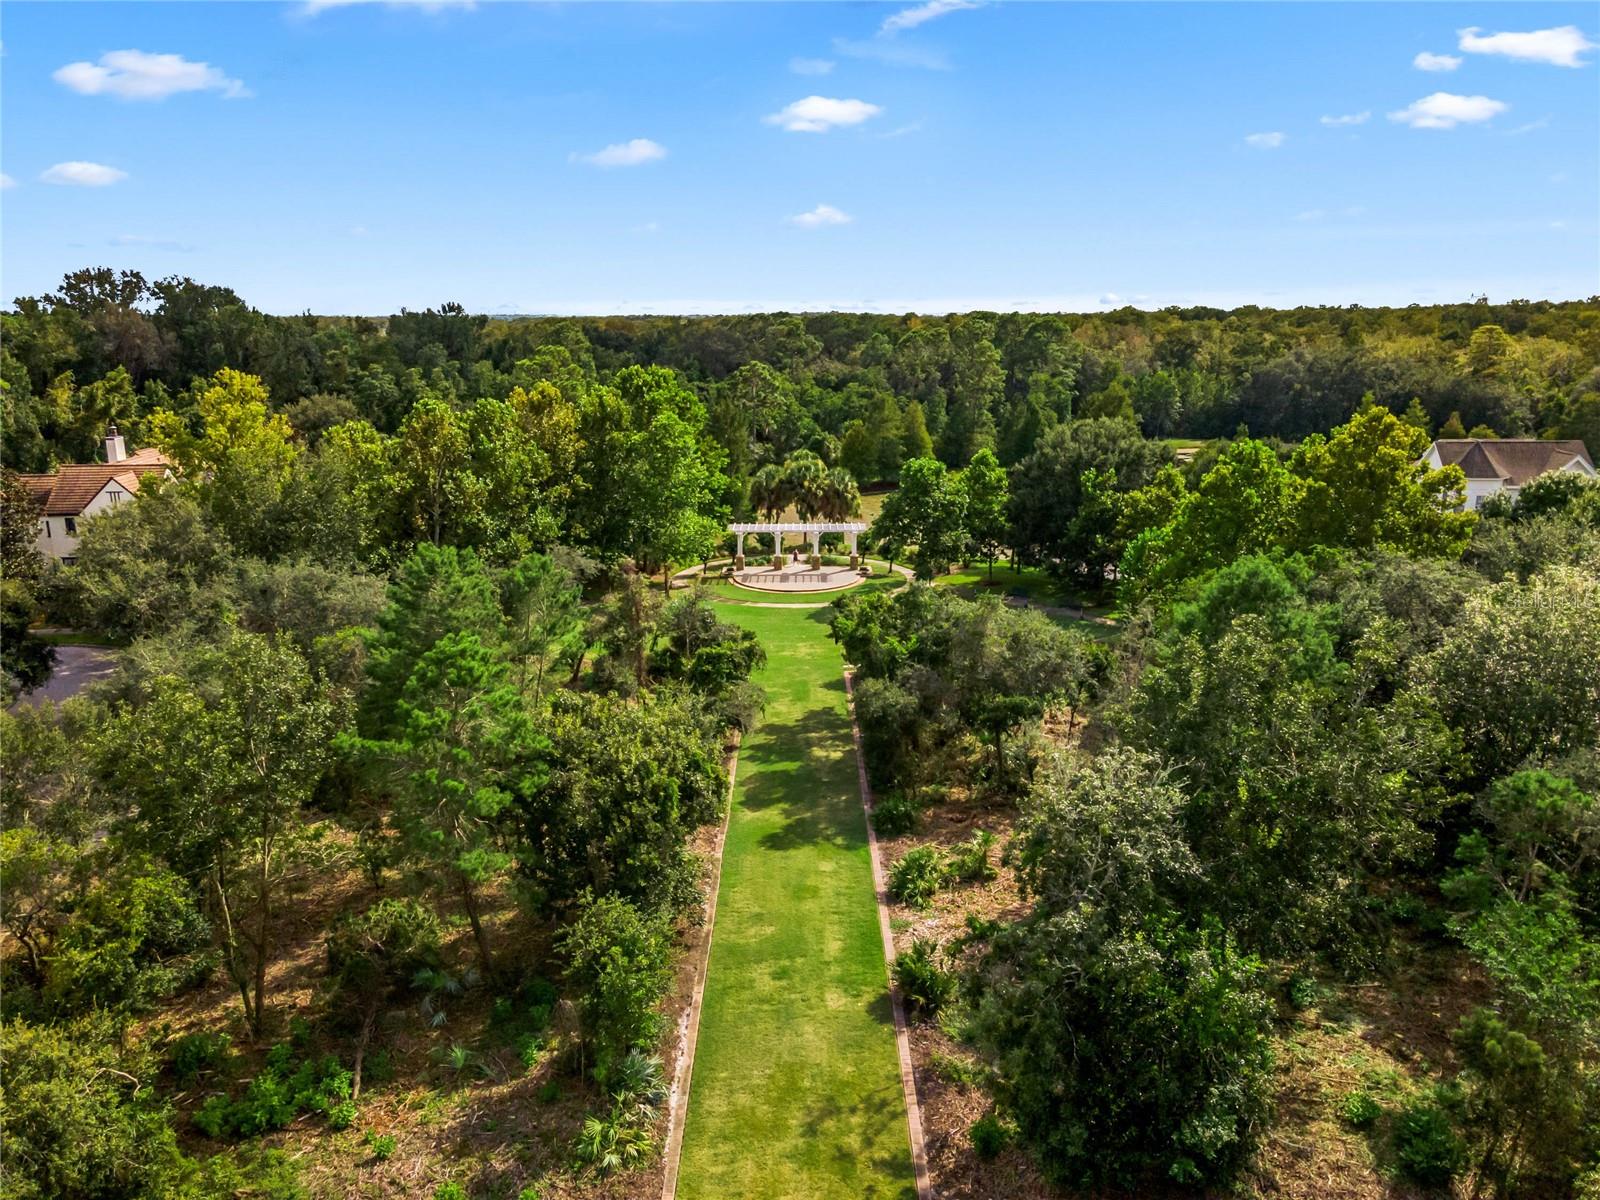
<point>357,157</point>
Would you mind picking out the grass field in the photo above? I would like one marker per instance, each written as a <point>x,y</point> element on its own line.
<point>796,1090</point>
<point>974,580</point>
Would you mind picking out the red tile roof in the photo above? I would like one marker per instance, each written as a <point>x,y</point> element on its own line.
<point>68,491</point>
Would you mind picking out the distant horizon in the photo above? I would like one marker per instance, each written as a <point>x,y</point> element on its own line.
<point>676,158</point>
<point>704,314</point>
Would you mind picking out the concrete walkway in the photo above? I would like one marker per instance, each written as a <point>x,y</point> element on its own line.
<point>796,577</point>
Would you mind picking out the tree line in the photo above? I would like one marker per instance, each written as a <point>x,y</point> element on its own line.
<point>865,392</point>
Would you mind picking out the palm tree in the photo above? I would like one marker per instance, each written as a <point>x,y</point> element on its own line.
<point>769,491</point>
<point>841,498</point>
<point>806,476</point>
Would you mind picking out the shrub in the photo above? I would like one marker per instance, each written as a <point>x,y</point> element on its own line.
<point>958,1070</point>
<point>970,861</point>
<point>382,1145</point>
<point>1426,1145</point>
<point>250,1171</point>
<point>1359,1109</point>
<point>136,937</point>
<point>267,1104</point>
<point>890,719</point>
<point>989,1136</point>
<point>627,784</point>
<point>276,1096</point>
<point>620,961</point>
<point>196,1053</point>
<point>450,1190</point>
<point>918,876</point>
<point>1304,992</point>
<point>1140,1056</point>
<point>76,1121</point>
<point>894,814</point>
<point>923,980</point>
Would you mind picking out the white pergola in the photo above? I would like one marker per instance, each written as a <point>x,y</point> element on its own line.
<point>811,530</point>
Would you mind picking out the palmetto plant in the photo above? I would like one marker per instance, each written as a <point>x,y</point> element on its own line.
<point>436,985</point>
<point>613,1143</point>
<point>638,1085</point>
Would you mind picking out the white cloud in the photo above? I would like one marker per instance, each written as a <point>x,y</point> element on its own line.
<point>1541,123</point>
<point>1311,214</point>
<point>821,215</point>
<point>1265,141</point>
<point>1427,60</point>
<point>83,174</point>
<point>358,231</point>
<point>1445,110</point>
<point>6,182</point>
<point>902,131</point>
<point>811,66</point>
<point>1359,118</point>
<point>623,154</point>
<point>910,18</point>
<point>1560,47</point>
<point>136,75</point>
<point>818,114</point>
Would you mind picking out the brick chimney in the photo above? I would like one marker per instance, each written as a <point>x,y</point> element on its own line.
<point>116,449</point>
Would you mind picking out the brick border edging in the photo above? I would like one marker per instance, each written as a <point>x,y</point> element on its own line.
<point>689,1023</point>
<point>902,1036</point>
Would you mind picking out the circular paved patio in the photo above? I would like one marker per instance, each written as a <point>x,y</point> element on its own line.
<point>796,577</point>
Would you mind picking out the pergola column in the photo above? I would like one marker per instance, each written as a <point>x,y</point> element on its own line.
<point>738,559</point>
<point>816,546</point>
<point>855,557</point>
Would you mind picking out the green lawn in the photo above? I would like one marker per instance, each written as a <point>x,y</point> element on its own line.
<point>74,637</point>
<point>796,1088</point>
<point>971,581</point>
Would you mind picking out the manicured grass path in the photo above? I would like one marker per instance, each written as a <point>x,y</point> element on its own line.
<point>796,1090</point>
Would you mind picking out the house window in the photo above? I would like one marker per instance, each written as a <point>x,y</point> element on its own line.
<point>72,525</point>
<point>68,559</point>
<point>47,529</point>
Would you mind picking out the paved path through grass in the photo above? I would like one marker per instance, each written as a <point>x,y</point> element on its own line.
<point>796,1089</point>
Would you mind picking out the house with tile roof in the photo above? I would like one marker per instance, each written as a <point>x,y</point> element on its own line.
<point>1495,465</point>
<point>74,492</point>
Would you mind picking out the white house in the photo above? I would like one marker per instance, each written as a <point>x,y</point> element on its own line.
<point>76,491</point>
<point>1495,465</point>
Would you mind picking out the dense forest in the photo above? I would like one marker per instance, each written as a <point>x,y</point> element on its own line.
<point>863,391</point>
<point>377,862</point>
